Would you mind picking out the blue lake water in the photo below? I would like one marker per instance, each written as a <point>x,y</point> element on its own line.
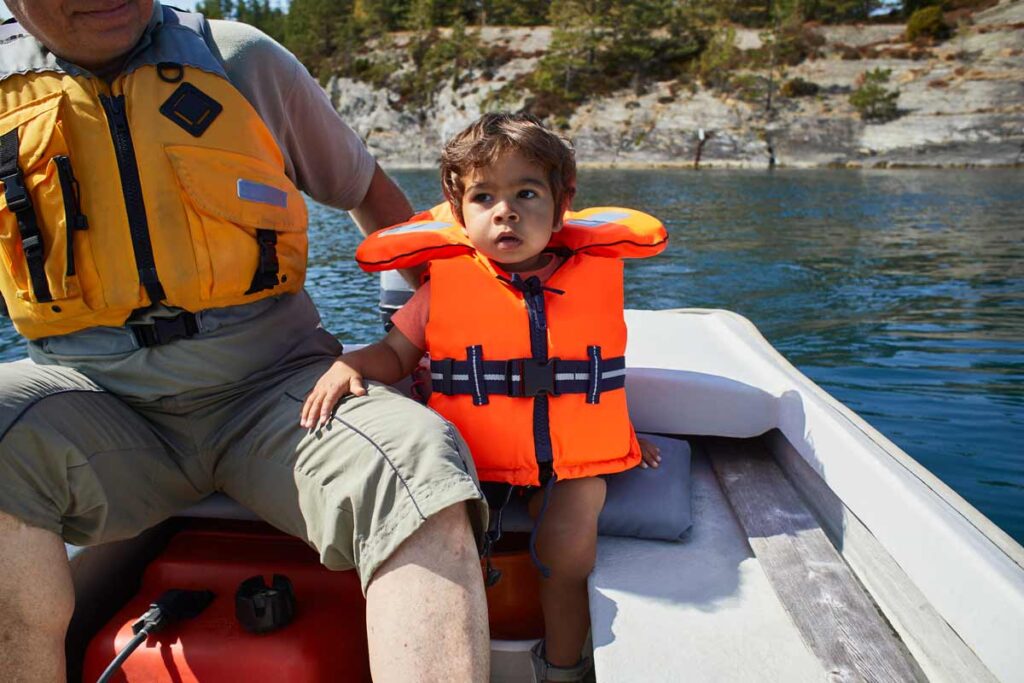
<point>899,292</point>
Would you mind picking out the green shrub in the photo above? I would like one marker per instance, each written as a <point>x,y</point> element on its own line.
<point>719,58</point>
<point>796,42</point>
<point>912,6</point>
<point>872,99</point>
<point>927,24</point>
<point>798,87</point>
<point>747,87</point>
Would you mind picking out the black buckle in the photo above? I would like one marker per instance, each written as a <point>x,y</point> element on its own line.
<point>166,330</point>
<point>536,377</point>
<point>31,244</point>
<point>17,196</point>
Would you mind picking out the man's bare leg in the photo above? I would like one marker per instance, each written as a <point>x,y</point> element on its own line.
<point>426,614</point>
<point>36,602</point>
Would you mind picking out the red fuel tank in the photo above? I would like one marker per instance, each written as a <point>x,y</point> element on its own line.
<point>325,642</point>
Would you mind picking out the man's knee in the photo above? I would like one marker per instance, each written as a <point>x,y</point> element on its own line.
<point>447,534</point>
<point>444,544</point>
<point>36,593</point>
<point>450,530</point>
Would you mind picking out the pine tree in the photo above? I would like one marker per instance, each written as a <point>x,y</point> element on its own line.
<point>315,32</point>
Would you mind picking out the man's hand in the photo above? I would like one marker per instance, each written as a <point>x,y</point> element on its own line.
<point>339,380</point>
<point>650,455</point>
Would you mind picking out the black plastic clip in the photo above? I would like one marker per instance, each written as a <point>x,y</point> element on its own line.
<point>165,330</point>
<point>260,608</point>
<point>16,193</point>
<point>537,377</point>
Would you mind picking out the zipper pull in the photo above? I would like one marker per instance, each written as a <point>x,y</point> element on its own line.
<point>72,194</point>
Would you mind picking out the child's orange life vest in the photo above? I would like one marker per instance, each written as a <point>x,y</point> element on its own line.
<point>531,373</point>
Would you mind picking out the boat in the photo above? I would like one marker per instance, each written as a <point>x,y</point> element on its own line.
<point>819,550</point>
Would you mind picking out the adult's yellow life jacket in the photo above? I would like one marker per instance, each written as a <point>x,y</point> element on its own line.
<point>162,185</point>
<point>532,373</point>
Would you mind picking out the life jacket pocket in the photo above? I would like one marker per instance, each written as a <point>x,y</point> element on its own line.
<point>247,222</point>
<point>44,248</point>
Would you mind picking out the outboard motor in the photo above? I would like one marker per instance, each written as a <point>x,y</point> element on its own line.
<point>394,292</point>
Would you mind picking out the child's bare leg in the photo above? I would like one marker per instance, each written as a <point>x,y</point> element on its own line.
<point>567,544</point>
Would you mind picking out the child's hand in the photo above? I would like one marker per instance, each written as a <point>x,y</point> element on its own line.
<point>650,455</point>
<point>339,380</point>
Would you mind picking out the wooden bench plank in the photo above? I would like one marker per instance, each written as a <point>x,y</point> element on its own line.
<point>936,647</point>
<point>834,614</point>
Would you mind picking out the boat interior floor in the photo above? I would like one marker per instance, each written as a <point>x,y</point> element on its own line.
<point>755,592</point>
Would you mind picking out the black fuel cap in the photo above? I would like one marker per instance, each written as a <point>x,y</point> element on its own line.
<point>261,608</point>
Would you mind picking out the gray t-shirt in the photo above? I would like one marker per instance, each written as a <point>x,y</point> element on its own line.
<point>323,156</point>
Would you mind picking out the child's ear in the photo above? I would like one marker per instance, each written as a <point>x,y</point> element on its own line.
<point>566,206</point>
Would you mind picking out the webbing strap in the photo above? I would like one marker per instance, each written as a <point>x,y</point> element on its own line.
<point>532,290</point>
<point>268,267</point>
<point>525,377</point>
<point>594,383</point>
<point>20,204</point>
<point>476,374</point>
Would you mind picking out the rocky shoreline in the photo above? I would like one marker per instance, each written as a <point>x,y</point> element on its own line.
<point>961,104</point>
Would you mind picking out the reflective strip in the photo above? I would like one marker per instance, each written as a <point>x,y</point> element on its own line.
<point>562,376</point>
<point>458,377</point>
<point>252,191</point>
<point>420,226</point>
<point>598,219</point>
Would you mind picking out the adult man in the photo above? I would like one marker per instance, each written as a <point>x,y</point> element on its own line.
<point>153,250</point>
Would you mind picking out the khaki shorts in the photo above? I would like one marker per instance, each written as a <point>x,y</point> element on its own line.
<point>82,463</point>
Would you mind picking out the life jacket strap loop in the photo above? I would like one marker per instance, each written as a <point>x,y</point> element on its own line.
<point>476,374</point>
<point>594,381</point>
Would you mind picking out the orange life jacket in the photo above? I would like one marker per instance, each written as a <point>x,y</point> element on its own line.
<point>546,359</point>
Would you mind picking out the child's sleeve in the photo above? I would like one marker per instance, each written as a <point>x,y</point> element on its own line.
<point>411,319</point>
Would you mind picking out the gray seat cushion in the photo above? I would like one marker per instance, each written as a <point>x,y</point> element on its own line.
<point>651,503</point>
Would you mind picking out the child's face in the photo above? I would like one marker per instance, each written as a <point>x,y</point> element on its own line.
<point>509,212</point>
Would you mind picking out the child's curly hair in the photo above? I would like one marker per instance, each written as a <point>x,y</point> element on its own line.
<point>493,135</point>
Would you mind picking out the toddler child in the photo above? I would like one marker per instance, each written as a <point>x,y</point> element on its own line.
<point>525,332</point>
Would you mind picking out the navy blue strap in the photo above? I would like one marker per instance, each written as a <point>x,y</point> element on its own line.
<point>525,377</point>
<point>545,571</point>
<point>20,204</point>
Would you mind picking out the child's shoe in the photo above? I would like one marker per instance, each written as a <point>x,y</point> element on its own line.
<point>544,671</point>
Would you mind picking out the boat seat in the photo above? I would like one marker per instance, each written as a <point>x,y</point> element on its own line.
<point>704,607</point>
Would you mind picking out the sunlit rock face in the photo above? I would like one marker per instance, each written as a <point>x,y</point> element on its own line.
<point>960,104</point>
